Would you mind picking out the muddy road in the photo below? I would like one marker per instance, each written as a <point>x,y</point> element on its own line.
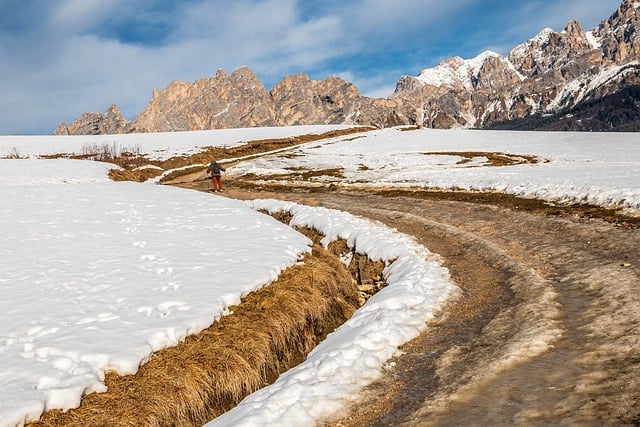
<point>546,330</point>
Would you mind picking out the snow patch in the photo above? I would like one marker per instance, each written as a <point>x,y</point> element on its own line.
<point>456,71</point>
<point>595,42</point>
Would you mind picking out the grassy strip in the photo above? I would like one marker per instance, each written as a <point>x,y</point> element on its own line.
<point>221,153</point>
<point>209,373</point>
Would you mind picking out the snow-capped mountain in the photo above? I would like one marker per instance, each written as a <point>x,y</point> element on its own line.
<point>550,77</point>
<point>567,80</point>
<point>457,73</point>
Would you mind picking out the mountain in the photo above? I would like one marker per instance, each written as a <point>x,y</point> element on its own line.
<point>551,78</point>
<point>240,100</point>
<point>568,80</point>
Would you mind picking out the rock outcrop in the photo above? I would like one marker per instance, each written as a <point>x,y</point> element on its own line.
<point>222,101</point>
<point>297,100</point>
<point>550,75</point>
<point>620,34</point>
<point>110,122</point>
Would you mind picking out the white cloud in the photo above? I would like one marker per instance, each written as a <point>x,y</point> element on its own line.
<point>73,16</point>
<point>59,59</point>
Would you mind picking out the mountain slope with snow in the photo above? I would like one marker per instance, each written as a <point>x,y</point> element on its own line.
<point>550,74</point>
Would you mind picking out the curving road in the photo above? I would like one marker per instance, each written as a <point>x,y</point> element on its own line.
<point>545,332</point>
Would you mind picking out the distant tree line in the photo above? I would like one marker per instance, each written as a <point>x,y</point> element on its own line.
<point>614,113</point>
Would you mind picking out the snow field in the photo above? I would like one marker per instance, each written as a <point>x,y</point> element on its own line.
<point>98,275</point>
<point>594,168</point>
<point>153,146</point>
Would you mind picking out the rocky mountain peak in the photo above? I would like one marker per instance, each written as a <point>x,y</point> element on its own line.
<point>298,100</point>
<point>495,72</point>
<point>550,50</point>
<point>218,102</point>
<point>487,69</point>
<point>221,74</point>
<point>619,35</point>
<point>109,122</point>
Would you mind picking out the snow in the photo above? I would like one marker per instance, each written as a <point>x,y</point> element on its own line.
<point>97,275</point>
<point>595,42</point>
<point>449,73</point>
<point>461,72</point>
<point>154,146</point>
<point>595,168</point>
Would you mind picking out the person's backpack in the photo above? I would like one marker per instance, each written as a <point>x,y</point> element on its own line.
<point>214,168</point>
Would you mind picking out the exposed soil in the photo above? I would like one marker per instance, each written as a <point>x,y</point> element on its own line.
<point>130,163</point>
<point>546,331</point>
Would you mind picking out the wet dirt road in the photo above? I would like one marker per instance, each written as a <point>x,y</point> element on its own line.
<point>546,330</point>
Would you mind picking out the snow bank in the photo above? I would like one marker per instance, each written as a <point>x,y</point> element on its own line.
<point>354,355</point>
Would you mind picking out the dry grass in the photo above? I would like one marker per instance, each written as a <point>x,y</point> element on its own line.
<point>207,374</point>
<point>300,174</point>
<point>494,159</point>
<point>221,153</point>
<point>140,175</point>
<point>366,274</point>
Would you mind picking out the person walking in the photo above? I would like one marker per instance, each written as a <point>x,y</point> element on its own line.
<point>215,172</point>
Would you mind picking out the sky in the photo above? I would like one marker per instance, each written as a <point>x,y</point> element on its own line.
<point>61,58</point>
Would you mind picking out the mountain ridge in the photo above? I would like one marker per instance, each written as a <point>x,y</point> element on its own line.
<point>549,75</point>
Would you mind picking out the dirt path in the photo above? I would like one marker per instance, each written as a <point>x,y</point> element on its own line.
<point>546,331</point>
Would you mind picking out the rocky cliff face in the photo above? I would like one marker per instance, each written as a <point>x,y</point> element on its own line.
<point>549,75</point>
<point>219,102</point>
<point>112,121</point>
<point>297,100</point>
<point>620,34</point>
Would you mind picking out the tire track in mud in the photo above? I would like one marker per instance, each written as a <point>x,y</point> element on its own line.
<point>546,331</point>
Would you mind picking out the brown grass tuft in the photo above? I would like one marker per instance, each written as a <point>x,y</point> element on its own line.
<point>209,373</point>
<point>133,175</point>
<point>494,158</point>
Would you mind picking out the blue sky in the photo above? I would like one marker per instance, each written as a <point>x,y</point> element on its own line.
<point>59,58</point>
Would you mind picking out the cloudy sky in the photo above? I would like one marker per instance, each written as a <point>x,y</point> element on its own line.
<point>59,58</point>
